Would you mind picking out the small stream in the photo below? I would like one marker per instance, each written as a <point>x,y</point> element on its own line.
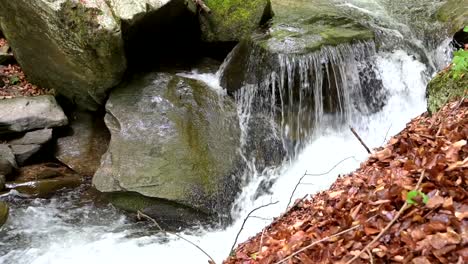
<point>72,227</point>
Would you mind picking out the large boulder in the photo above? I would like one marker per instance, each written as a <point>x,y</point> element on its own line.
<point>74,47</point>
<point>233,20</point>
<point>85,141</point>
<point>173,139</point>
<point>28,113</point>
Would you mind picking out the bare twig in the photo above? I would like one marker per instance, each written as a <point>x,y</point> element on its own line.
<point>245,220</point>
<point>319,174</point>
<point>202,5</point>
<point>386,134</point>
<point>403,208</point>
<point>318,241</point>
<point>360,140</point>
<point>371,258</point>
<point>261,240</point>
<point>140,214</point>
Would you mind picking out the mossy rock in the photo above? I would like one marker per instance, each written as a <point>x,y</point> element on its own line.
<point>172,138</point>
<point>73,47</point>
<point>444,88</point>
<point>233,20</point>
<point>455,13</point>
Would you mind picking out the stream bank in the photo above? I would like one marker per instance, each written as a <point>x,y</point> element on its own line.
<point>409,198</point>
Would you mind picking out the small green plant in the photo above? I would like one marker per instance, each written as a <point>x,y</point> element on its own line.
<point>415,193</point>
<point>465,29</point>
<point>14,79</point>
<point>460,63</point>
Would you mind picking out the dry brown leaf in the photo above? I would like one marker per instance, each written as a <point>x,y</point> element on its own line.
<point>435,201</point>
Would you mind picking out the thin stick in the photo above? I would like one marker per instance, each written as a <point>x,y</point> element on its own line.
<point>386,134</point>
<point>318,241</point>
<point>261,240</point>
<point>140,214</point>
<point>320,174</point>
<point>403,208</point>
<point>360,140</point>
<point>370,256</point>
<point>245,220</point>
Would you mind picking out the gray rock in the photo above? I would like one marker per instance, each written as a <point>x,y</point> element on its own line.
<point>4,209</point>
<point>39,137</point>
<point>24,152</point>
<point>7,160</point>
<point>78,47</point>
<point>132,10</point>
<point>86,142</point>
<point>28,113</point>
<point>172,138</point>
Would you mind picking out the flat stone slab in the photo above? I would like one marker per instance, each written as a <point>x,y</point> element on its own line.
<point>28,113</point>
<point>40,137</point>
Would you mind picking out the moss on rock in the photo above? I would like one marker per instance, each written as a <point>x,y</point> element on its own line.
<point>232,20</point>
<point>444,88</point>
<point>454,12</point>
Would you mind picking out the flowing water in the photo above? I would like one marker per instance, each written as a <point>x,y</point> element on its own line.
<point>72,228</point>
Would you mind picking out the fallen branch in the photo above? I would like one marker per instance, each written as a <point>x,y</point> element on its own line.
<point>360,140</point>
<point>320,174</point>
<point>202,5</point>
<point>403,208</point>
<point>318,241</point>
<point>140,214</point>
<point>245,220</point>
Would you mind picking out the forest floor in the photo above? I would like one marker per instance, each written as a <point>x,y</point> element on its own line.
<point>13,81</point>
<point>408,203</point>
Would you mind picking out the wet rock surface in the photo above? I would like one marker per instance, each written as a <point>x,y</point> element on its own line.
<point>84,142</point>
<point>172,138</point>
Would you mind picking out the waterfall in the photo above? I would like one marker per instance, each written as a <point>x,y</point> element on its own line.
<point>303,102</point>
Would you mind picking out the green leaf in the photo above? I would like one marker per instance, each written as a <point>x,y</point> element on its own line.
<point>465,29</point>
<point>14,79</point>
<point>415,193</point>
<point>460,63</point>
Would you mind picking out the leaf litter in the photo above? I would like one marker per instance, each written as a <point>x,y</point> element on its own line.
<point>13,82</point>
<point>337,224</point>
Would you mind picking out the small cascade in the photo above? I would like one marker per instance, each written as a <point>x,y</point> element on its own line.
<point>301,91</point>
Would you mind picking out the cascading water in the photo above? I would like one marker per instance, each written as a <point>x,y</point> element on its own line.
<point>71,228</point>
